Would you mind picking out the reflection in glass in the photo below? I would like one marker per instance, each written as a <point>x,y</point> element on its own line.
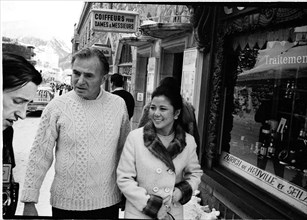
<point>270,109</point>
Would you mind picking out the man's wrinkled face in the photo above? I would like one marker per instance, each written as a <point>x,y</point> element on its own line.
<point>87,77</point>
<point>15,103</point>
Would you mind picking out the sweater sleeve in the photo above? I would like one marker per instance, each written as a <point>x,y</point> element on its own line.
<point>127,174</point>
<point>41,155</point>
<point>124,130</point>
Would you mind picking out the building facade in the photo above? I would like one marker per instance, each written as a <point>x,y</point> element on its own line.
<point>244,68</point>
<point>253,109</point>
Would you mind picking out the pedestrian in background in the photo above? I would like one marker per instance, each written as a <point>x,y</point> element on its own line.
<point>117,83</point>
<point>20,82</point>
<point>188,112</point>
<point>159,169</point>
<point>86,128</point>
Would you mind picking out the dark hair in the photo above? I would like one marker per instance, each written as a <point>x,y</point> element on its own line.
<point>17,72</point>
<point>92,52</point>
<point>172,95</point>
<point>170,82</point>
<point>117,80</point>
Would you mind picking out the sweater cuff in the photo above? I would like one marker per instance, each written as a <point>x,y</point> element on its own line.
<point>29,195</point>
<point>154,204</point>
<point>186,190</point>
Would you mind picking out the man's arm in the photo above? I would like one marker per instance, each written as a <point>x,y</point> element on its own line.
<point>40,159</point>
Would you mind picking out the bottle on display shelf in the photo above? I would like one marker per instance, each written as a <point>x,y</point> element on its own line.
<point>264,138</point>
<point>292,157</point>
<point>301,150</point>
<point>272,145</point>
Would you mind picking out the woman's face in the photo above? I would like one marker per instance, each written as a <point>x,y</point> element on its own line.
<point>162,114</point>
<point>15,103</point>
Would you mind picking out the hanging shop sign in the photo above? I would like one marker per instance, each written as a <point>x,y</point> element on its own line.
<point>151,67</point>
<point>107,20</point>
<point>273,184</point>
<point>188,74</point>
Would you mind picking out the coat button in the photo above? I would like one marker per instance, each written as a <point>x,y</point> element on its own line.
<point>155,189</point>
<point>170,172</point>
<point>159,170</point>
<point>167,190</point>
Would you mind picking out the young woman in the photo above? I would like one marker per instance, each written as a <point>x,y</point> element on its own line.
<point>158,169</point>
<point>187,112</point>
<point>20,81</point>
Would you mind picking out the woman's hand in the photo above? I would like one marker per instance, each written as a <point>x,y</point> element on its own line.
<point>162,213</point>
<point>177,195</point>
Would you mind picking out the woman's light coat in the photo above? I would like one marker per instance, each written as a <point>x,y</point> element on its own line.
<point>141,171</point>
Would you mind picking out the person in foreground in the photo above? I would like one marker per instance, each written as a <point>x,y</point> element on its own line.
<point>20,82</point>
<point>117,83</point>
<point>86,128</point>
<point>188,112</point>
<point>159,169</point>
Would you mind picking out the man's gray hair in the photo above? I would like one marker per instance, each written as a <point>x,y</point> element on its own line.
<point>92,52</point>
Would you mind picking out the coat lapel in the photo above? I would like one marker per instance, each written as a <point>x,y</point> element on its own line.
<point>155,146</point>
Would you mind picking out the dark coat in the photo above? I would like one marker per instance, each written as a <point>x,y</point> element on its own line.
<point>128,99</point>
<point>8,152</point>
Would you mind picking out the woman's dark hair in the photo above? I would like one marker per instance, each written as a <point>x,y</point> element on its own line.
<point>170,82</point>
<point>17,72</point>
<point>92,52</point>
<point>172,95</point>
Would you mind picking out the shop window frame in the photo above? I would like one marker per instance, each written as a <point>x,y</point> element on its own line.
<point>212,133</point>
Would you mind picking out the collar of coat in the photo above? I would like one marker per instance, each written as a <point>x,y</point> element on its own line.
<point>155,146</point>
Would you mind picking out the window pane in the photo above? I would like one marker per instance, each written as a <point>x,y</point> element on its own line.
<point>270,114</point>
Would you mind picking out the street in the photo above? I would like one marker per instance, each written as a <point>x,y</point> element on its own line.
<point>24,133</point>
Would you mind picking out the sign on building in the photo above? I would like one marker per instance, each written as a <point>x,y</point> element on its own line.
<point>107,51</point>
<point>108,20</point>
<point>189,77</point>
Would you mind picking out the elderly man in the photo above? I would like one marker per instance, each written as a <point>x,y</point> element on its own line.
<point>86,129</point>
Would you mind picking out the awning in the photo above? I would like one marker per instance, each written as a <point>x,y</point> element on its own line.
<point>279,60</point>
<point>164,30</point>
<point>137,41</point>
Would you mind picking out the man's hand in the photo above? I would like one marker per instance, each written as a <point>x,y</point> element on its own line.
<point>30,209</point>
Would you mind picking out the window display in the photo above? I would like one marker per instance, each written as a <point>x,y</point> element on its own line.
<point>269,130</point>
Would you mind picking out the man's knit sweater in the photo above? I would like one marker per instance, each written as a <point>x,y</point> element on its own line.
<point>87,137</point>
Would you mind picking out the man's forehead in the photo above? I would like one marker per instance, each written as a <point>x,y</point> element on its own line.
<point>88,62</point>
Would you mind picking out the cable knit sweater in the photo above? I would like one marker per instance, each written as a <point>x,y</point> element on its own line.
<point>87,137</point>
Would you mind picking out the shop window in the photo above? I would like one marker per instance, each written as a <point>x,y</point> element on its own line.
<point>268,121</point>
<point>126,55</point>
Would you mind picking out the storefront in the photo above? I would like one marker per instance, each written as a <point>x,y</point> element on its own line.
<point>164,49</point>
<point>253,114</point>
